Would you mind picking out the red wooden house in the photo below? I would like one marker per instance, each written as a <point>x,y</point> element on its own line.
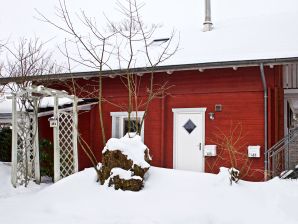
<point>229,89</point>
<point>199,107</point>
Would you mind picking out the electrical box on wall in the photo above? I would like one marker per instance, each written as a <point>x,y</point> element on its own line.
<point>254,151</point>
<point>210,150</point>
<point>218,108</point>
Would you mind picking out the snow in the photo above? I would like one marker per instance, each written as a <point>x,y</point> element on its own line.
<point>243,30</point>
<point>6,188</point>
<point>45,102</point>
<point>130,145</point>
<point>169,197</point>
<point>6,104</point>
<point>124,174</point>
<point>49,101</point>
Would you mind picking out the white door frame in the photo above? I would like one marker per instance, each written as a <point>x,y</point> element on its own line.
<point>189,111</point>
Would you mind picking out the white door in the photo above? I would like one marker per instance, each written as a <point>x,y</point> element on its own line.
<point>189,136</point>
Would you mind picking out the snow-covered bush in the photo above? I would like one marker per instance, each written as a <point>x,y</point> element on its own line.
<point>234,175</point>
<point>125,162</point>
<point>125,180</point>
<point>229,175</point>
<point>46,158</point>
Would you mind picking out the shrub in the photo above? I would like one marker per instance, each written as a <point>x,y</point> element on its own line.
<point>46,158</point>
<point>5,144</point>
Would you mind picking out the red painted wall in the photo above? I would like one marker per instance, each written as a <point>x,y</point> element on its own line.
<point>240,92</point>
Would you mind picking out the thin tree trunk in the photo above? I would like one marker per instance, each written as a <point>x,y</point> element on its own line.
<point>103,135</point>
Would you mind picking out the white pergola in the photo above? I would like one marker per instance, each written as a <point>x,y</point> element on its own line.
<point>25,144</point>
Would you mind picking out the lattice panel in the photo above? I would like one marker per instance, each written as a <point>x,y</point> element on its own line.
<point>66,144</point>
<point>25,148</point>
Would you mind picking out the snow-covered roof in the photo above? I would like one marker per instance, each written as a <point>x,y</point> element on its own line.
<point>5,105</point>
<point>46,102</point>
<point>243,29</point>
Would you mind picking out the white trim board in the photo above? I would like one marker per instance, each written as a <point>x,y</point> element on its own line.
<point>125,114</point>
<point>189,110</point>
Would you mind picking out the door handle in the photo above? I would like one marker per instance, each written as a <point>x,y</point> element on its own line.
<point>200,146</point>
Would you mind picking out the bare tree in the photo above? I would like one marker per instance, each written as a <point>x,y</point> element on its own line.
<point>118,46</point>
<point>93,49</point>
<point>27,58</point>
<point>136,40</point>
<point>1,65</point>
<point>24,59</point>
<point>115,47</point>
<point>232,152</point>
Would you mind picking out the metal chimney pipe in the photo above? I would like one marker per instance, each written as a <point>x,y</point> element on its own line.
<point>207,24</point>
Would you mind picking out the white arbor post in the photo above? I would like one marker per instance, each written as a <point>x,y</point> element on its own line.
<point>14,142</point>
<point>36,142</point>
<point>56,142</point>
<point>75,134</point>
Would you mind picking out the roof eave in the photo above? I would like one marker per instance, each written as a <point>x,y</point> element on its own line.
<point>180,67</point>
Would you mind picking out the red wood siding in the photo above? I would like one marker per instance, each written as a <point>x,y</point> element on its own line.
<point>240,92</point>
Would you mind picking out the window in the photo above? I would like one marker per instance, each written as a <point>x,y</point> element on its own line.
<point>120,123</point>
<point>135,125</point>
<point>159,42</point>
<point>189,126</point>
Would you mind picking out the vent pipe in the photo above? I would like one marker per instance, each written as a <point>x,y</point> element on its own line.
<point>207,24</point>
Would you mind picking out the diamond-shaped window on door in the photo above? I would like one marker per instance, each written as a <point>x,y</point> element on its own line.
<point>189,126</point>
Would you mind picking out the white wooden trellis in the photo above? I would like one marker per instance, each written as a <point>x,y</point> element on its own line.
<point>25,152</point>
<point>25,146</point>
<point>65,140</point>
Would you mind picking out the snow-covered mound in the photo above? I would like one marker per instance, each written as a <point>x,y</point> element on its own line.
<point>125,162</point>
<point>131,146</point>
<point>169,197</point>
<point>6,188</point>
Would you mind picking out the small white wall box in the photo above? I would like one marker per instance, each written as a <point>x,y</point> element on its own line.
<point>254,151</point>
<point>210,150</point>
<point>53,122</point>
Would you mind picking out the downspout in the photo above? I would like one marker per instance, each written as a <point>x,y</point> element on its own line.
<point>162,143</point>
<point>266,120</point>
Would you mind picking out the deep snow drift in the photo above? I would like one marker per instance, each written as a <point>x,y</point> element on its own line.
<point>7,190</point>
<point>169,196</point>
